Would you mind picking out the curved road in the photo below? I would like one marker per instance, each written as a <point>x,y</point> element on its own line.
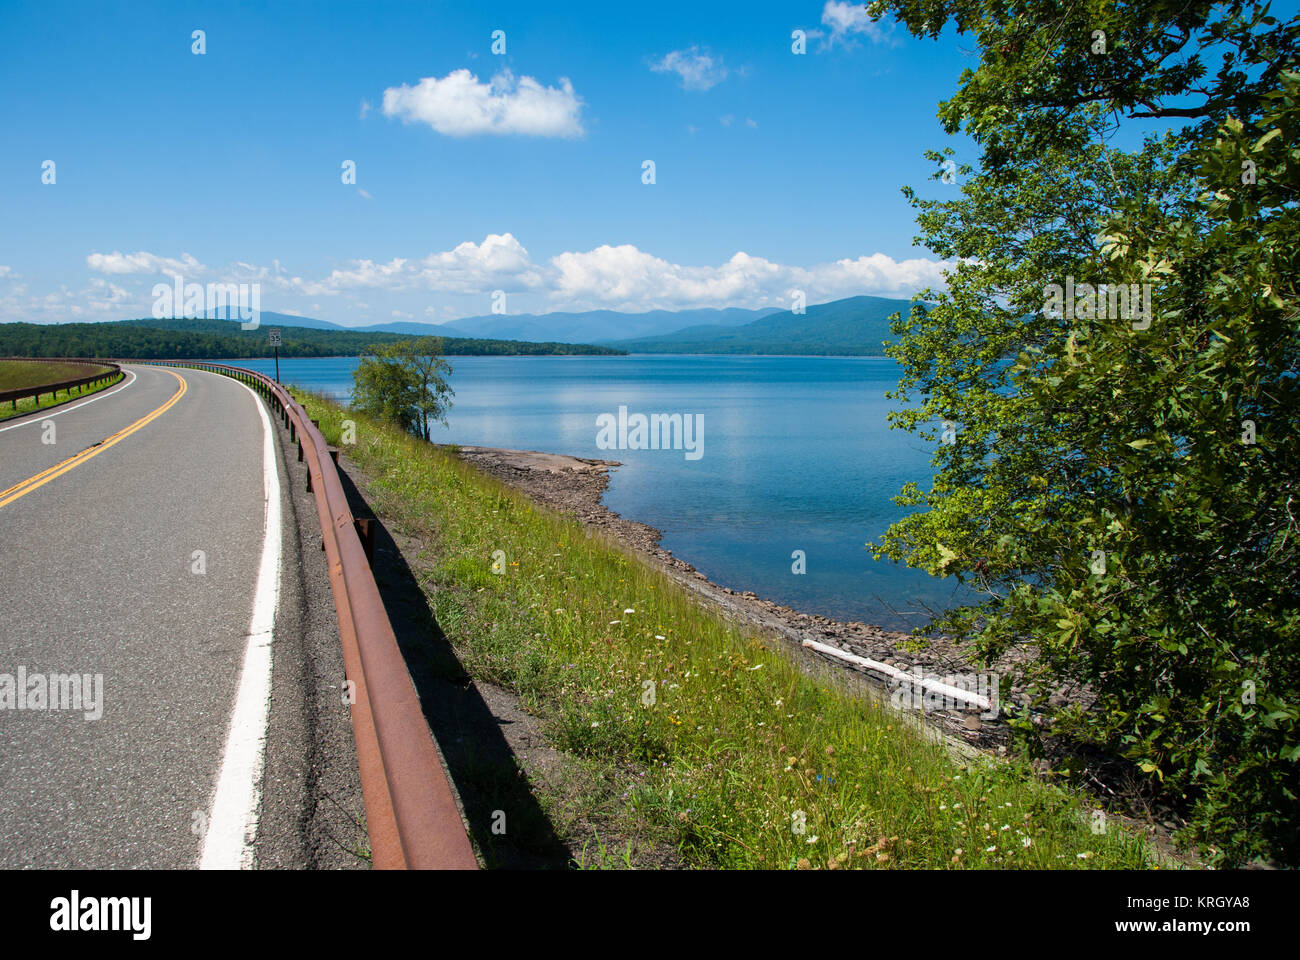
<point>100,519</point>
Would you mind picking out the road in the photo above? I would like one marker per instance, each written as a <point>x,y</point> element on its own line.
<point>134,546</point>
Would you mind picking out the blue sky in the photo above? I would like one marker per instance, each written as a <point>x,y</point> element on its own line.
<point>475,172</point>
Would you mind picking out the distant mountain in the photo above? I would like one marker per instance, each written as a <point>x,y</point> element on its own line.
<point>856,326</point>
<point>591,326</point>
<point>271,319</point>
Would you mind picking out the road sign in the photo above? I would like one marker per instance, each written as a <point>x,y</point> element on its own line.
<point>275,338</point>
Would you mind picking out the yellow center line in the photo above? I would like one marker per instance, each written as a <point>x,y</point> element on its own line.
<point>59,469</point>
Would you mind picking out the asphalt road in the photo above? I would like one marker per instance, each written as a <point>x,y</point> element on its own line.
<point>98,577</point>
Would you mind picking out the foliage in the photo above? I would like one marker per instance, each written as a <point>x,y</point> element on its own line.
<point>1125,497</point>
<point>404,383</point>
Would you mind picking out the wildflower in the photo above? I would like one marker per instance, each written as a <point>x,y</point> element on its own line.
<point>990,849</point>
<point>628,610</point>
<point>1026,842</point>
<point>813,838</point>
<point>657,637</point>
<point>612,622</point>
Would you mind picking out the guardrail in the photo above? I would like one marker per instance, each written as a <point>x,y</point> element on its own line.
<point>411,813</point>
<point>22,393</point>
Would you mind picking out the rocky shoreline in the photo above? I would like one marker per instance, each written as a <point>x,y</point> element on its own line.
<point>577,485</point>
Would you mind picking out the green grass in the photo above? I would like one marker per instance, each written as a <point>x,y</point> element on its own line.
<point>17,374</point>
<point>739,748</point>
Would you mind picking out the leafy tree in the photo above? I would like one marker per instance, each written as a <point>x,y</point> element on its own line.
<point>1123,490</point>
<point>404,382</point>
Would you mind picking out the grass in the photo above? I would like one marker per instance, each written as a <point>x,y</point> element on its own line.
<point>742,759</point>
<point>17,374</point>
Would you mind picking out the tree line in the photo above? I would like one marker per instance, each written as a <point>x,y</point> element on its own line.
<point>212,339</point>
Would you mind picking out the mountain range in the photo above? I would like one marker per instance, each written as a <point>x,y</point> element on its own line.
<point>855,326</point>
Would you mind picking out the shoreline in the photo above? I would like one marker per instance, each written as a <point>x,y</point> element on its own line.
<point>577,485</point>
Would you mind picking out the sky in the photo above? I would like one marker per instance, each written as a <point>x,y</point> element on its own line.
<point>370,162</point>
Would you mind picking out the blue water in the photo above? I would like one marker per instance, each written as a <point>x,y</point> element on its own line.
<point>797,455</point>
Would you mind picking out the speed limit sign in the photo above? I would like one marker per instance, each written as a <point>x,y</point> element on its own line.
<point>275,338</point>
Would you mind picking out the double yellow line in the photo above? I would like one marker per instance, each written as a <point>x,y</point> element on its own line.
<point>59,469</point>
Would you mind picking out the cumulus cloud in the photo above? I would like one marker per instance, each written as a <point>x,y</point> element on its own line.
<point>440,284</point>
<point>500,261</point>
<point>848,20</point>
<point>621,277</point>
<point>697,69</point>
<point>629,278</point>
<point>459,105</point>
<point>143,262</point>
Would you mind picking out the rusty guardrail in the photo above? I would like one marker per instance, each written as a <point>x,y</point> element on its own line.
<point>22,393</point>
<point>411,813</point>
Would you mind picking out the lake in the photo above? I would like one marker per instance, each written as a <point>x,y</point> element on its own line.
<point>796,454</point>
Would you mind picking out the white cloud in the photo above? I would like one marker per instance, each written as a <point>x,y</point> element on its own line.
<point>846,20</point>
<point>365,108</point>
<point>628,278</point>
<point>500,261</point>
<point>728,120</point>
<point>143,262</point>
<point>750,122</point>
<point>443,284</point>
<point>622,277</point>
<point>698,70</point>
<point>459,105</point>
<point>4,271</point>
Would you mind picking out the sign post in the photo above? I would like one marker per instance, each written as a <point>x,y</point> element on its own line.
<point>275,342</point>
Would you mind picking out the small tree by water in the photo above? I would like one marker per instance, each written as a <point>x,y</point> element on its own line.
<point>405,383</point>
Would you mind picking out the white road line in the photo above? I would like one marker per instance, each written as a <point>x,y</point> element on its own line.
<point>232,823</point>
<point>110,392</point>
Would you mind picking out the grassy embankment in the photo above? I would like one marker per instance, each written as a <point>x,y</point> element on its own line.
<point>740,748</point>
<point>16,374</point>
